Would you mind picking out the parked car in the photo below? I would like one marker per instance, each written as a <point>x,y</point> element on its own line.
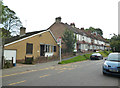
<point>112,64</point>
<point>96,56</point>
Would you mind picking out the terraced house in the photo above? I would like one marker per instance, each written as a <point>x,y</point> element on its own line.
<point>30,45</point>
<point>86,40</point>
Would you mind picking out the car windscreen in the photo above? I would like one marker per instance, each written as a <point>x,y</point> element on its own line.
<point>114,57</point>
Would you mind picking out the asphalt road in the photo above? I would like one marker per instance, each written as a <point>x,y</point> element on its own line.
<point>85,73</point>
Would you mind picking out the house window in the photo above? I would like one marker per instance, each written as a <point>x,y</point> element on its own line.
<point>29,48</point>
<point>54,48</point>
<point>47,48</point>
<point>83,38</point>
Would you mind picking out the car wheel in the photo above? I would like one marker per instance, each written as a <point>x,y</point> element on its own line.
<point>104,73</point>
<point>99,58</point>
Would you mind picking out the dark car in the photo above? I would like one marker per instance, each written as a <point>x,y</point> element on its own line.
<point>112,64</point>
<point>96,56</point>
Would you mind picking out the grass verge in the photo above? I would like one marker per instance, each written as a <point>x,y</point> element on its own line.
<point>83,57</point>
<point>75,59</point>
<point>105,53</point>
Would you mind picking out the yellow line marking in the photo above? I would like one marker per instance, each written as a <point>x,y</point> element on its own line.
<point>55,68</point>
<point>44,75</point>
<point>66,65</point>
<point>19,73</point>
<point>70,68</point>
<point>17,82</point>
<point>23,72</point>
<point>62,68</point>
<point>52,67</point>
<point>44,69</point>
<point>60,71</point>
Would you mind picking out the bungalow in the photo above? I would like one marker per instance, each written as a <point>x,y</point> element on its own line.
<point>30,45</point>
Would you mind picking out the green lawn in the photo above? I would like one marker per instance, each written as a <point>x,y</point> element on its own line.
<point>105,53</point>
<point>77,58</point>
<point>83,57</point>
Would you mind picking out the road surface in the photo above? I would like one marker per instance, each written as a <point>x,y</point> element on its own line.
<point>85,73</point>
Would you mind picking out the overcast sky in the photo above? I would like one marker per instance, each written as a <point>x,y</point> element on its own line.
<point>40,14</point>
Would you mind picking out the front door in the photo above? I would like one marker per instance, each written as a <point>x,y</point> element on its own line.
<point>42,48</point>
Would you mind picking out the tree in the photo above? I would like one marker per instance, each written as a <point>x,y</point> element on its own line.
<point>97,30</point>
<point>69,39</point>
<point>91,29</point>
<point>11,24</point>
<point>1,43</point>
<point>5,33</point>
<point>10,21</point>
<point>115,43</point>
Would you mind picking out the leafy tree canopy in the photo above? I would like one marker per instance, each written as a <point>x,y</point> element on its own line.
<point>97,30</point>
<point>115,43</point>
<point>69,39</point>
<point>9,20</point>
<point>5,33</point>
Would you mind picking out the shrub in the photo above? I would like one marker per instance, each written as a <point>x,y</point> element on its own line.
<point>105,53</point>
<point>8,64</point>
<point>40,59</point>
<point>59,63</point>
<point>87,56</point>
<point>28,60</point>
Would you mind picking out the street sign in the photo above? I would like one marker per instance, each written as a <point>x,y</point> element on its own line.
<point>59,40</point>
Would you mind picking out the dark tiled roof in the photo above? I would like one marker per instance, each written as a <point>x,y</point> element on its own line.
<point>81,32</point>
<point>71,28</point>
<point>9,40</point>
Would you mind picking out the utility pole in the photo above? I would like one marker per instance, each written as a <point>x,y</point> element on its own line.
<point>1,51</point>
<point>1,47</point>
<point>109,41</point>
<point>59,43</point>
<point>60,50</point>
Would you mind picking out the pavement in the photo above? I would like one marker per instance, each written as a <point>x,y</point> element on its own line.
<point>26,67</point>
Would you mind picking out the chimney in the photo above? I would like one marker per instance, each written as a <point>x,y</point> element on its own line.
<point>22,30</point>
<point>94,33</point>
<point>82,28</point>
<point>58,19</point>
<point>73,25</point>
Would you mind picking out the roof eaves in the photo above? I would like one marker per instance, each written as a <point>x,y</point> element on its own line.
<point>20,38</point>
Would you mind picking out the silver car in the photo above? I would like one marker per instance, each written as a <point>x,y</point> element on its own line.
<point>112,64</point>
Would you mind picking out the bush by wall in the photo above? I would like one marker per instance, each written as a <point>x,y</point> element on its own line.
<point>8,64</point>
<point>105,53</point>
<point>87,56</point>
<point>28,60</point>
<point>44,59</point>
